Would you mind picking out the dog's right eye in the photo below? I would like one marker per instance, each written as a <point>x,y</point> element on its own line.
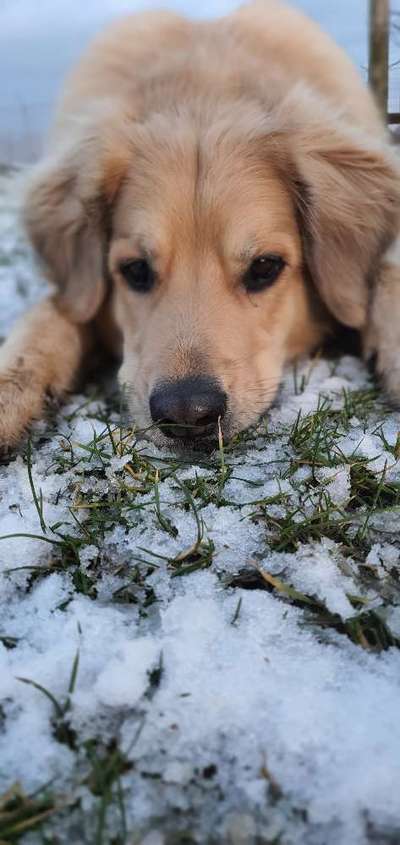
<point>138,275</point>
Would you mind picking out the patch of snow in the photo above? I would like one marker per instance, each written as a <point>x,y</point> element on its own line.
<point>369,446</point>
<point>125,679</point>
<point>337,481</point>
<point>383,557</point>
<point>316,570</point>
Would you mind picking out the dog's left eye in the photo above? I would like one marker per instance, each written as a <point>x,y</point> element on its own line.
<point>138,274</point>
<point>263,272</point>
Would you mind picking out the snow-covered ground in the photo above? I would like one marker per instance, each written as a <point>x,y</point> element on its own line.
<point>204,652</point>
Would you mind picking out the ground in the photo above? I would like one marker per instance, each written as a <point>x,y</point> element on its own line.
<point>200,651</point>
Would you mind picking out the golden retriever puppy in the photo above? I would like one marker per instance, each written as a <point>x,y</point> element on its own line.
<point>216,196</point>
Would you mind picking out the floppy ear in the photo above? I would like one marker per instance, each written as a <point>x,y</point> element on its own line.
<point>66,208</point>
<point>348,195</point>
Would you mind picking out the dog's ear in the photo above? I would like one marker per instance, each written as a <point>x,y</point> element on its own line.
<point>67,205</point>
<point>347,190</point>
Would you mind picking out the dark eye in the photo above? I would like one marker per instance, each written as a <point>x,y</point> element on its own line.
<point>138,274</point>
<point>263,272</point>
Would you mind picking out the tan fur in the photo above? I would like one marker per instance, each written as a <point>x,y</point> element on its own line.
<point>203,145</point>
<point>38,361</point>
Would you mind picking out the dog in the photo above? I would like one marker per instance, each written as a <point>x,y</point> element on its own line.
<point>217,197</point>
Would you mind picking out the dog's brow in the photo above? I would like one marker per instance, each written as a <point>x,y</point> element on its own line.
<point>136,244</point>
<point>146,249</point>
<point>270,242</point>
<point>247,253</point>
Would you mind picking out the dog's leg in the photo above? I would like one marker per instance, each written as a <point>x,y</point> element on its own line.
<point>381,339</point>
<point>41,357</point>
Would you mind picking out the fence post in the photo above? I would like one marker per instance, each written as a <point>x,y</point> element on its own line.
<point>378,74</point>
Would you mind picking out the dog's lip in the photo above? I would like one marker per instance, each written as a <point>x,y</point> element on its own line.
<point>183,445</point>
<point>208,442</point>
<point>157,435</point>
<point>190,433</point>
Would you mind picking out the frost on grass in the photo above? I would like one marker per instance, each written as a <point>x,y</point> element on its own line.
<point>201,650</point>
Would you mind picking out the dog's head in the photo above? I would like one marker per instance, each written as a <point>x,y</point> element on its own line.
<point>225,241</point>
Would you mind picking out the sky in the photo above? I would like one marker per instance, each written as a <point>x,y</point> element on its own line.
<point>40,40</point>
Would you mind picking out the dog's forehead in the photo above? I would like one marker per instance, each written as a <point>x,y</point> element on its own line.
<point>224,189</point>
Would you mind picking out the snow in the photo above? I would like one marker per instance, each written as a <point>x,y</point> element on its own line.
<point>317,570</point>
<point>383,557</point>
<point>242,719</point>
<point>337,480</point>
<point>125,679</point>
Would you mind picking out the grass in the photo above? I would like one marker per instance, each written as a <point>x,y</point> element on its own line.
<point>367,629</point>
<point>103,762</point>
<point>105,766</point>
<point>62,730</point>
<point>105,495</point>
<point>21,814</point>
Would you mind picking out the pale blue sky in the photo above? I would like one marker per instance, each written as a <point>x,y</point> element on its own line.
<point>40,39</point>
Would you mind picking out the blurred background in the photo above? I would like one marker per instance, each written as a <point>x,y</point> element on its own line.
<point>40,40</point>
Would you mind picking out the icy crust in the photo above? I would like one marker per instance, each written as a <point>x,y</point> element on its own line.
<point>218,608</point>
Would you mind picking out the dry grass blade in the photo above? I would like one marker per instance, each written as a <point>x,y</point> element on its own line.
<point>20,813</point>
<point>279,585</point>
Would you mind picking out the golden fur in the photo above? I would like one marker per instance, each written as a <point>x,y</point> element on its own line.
<point>203,145</point>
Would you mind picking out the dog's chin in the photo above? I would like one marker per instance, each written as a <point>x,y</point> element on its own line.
<point>184,446</point>
<point>146,430</point>
<point>191,446</point>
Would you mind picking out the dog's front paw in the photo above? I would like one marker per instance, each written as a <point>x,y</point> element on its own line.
<point>21,402</point>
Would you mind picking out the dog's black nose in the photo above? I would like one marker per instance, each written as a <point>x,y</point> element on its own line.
<point>188,407</point>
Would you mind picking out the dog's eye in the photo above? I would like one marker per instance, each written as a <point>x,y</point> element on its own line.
<point>263,272</point>
<point>138,275</point>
